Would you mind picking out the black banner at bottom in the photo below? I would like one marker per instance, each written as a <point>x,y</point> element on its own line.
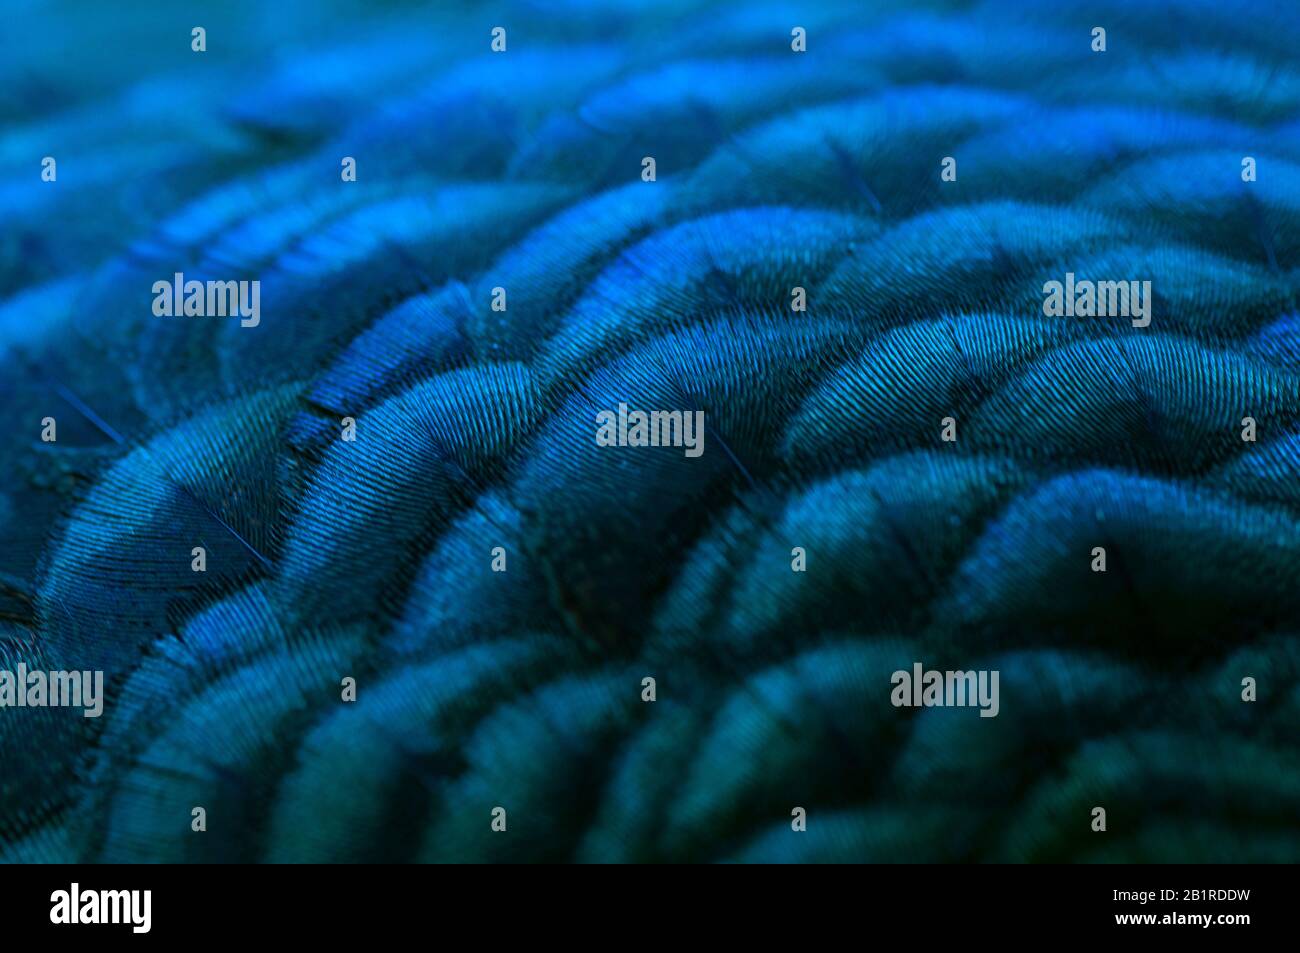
<point>1220,904</point>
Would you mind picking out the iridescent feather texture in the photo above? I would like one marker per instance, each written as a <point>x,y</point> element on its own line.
<point>374,559</point>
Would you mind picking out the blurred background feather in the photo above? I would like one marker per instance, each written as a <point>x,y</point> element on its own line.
<point>475,429</point>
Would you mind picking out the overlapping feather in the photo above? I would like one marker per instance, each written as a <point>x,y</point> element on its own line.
<point>371,559</point>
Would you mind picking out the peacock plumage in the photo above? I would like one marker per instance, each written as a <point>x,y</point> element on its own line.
<point>517,177</point>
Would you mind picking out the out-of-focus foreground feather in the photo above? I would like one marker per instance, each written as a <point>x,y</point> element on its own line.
<point>372,559</point>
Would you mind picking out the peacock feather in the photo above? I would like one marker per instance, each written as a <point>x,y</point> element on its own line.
<point>426,590</point>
